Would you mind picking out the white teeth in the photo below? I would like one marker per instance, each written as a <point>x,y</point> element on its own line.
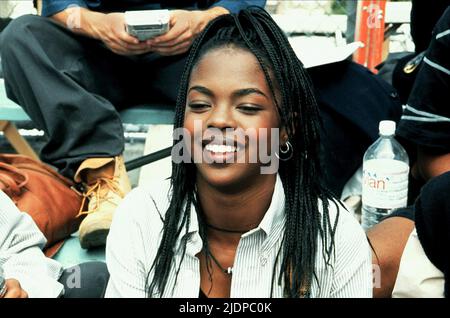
<point>221,148</point>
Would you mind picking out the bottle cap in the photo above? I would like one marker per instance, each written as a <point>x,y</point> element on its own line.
<point>387,127</point>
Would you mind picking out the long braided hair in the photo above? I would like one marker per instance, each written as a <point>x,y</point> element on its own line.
<point>255,31</point>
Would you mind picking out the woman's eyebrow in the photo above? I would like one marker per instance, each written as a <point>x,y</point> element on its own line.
<point>236,94</point>
<point>202,89</point>
<point>247,91</point>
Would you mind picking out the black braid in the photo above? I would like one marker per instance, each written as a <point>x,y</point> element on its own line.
<point>255,31</point>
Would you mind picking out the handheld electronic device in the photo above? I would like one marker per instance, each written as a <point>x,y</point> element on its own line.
<point>147,24</point>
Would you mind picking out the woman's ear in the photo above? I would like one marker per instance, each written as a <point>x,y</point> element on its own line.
<point>283,136</point>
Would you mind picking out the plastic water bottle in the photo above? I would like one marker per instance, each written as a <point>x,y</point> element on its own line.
<point>385,176</point>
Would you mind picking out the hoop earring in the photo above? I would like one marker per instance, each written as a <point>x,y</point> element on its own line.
<point>287,153</point>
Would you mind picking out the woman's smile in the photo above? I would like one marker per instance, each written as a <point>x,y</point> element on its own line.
<point>220,149</point>
<point>230,98</point>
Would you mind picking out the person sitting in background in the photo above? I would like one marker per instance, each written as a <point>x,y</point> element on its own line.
<point>226,229</point>
<point>425,123</point>
<point>424,269</point>
<point>409,246</point>
<point>425,130</point>
<point>75,68</point>
<point>29,273</point>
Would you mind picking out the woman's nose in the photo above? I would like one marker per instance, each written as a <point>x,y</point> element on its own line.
<point>221,117</point>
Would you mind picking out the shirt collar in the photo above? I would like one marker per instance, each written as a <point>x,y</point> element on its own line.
<point>273,217</point>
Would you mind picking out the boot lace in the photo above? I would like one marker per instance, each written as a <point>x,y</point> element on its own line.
<point>95,191</point>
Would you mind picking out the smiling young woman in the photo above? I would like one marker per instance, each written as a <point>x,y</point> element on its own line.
<point>221,227</point>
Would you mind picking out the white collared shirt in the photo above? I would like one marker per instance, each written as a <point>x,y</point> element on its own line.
<point>136,233</point>
<point>21,255</point>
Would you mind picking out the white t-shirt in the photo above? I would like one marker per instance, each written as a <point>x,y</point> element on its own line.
<point>417,276</point>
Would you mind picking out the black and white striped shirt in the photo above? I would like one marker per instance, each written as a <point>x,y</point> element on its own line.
<point>136,232</point>
<point>426,117</point>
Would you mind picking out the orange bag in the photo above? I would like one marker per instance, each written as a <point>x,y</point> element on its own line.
<point>48,197</point>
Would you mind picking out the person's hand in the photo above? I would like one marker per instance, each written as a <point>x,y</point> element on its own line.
<point>184,27</point>
<point>14,290</point>
<point>112,31</point>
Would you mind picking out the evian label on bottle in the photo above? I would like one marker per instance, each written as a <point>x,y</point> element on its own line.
<point>385,183</point>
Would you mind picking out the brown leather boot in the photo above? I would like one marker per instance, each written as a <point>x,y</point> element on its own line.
<point>106,183</point>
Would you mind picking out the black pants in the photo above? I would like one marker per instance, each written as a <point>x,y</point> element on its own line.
<point>86,280</point>
<point>72,87</point>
